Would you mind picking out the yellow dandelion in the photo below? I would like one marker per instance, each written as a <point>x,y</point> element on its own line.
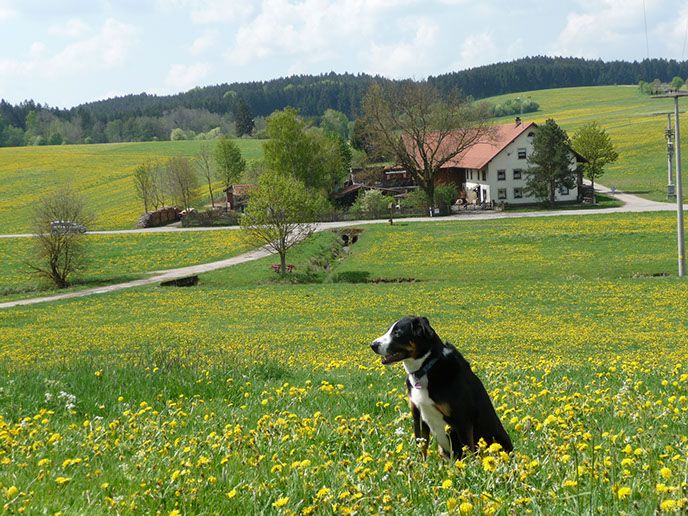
<point>624,492</point>
<point>11,492</point>
<point>281,502</point>
<point>466,507</point>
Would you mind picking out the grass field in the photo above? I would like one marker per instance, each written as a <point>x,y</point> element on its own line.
<point>116,258</point>
<point>102,173</point>
<point>247,395</point>
<point>629,118</point>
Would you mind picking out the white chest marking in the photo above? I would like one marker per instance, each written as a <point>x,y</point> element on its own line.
<point>432,417</point>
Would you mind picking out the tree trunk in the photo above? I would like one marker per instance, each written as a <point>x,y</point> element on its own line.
<point>552,194</point>
<point>283,264</point>
<point>212,199</point>
<point>594,201</point>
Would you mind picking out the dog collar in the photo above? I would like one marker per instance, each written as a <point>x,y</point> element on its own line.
<point>424,368</point>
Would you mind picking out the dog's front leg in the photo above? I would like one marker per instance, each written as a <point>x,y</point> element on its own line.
<point>421,431</point>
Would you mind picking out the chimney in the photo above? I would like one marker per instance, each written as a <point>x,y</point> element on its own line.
<point>518,121</point>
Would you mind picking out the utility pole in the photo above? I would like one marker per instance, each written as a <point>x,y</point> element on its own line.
<point>679,184</point>
<point>671,188</point>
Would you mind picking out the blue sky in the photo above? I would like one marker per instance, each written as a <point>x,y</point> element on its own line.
<point>71,51</point>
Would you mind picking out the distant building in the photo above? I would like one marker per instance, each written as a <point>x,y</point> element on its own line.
<point>237,196</point>
<point>496,171</point>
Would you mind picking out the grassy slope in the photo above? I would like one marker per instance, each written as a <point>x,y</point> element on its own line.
<point>102,172</point>
<point>561,317</point>
<point>115,258</point>
<point>628,117</point>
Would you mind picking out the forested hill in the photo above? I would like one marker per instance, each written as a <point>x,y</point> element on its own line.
<point>313,94</point>
<point>147,117</point>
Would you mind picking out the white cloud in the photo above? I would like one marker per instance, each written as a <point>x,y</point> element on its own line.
<point>603,25</point>
<point>6,10</point>
<point>673,34</point>
<point>481,48</point>
<point>182,77</point>
<point>204,42</point>
<point>106,49</point>
<point>405,58</point>
<point>311,30</point>
<point>209,11</point>
<point>73,28</point>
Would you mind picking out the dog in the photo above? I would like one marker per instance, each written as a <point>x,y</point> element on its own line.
<point>446,398</point>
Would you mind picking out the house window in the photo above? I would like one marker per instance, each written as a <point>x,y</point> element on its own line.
<point>517,173</point>
<point>518,193</point>
<point>501,193</point>
<point>563,190</point>
<point>501,175</point>
<point>531,134</point>
<point>521,153</point>
<point>484,175</point>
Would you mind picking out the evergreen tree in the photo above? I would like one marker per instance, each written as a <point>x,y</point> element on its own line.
<point>550,162</point>
<point>242,118</point>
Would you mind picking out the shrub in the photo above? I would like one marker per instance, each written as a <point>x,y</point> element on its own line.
<point>416,200</point>
<point>371,203</point>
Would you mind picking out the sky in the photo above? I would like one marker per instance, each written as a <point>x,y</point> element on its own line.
<point>67,52</point>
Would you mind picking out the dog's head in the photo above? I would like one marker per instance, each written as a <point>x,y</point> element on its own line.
<point>410,337</point>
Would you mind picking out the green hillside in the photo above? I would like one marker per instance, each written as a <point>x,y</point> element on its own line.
<point>103,173</point>
<point>629,118</point>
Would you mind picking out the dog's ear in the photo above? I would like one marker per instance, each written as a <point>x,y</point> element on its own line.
<point>422,328</point>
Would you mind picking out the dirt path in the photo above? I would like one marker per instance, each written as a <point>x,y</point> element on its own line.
<point>634,204</point>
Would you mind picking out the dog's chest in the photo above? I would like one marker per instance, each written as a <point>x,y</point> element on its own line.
<point>420,397</point>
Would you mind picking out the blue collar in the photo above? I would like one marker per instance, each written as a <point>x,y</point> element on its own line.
<point>425,367</point>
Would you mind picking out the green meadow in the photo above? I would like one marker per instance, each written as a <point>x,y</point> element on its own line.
<point>102,173</point>
<point>247,394</point>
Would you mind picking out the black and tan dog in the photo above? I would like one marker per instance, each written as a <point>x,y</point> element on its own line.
<point>443,391</point>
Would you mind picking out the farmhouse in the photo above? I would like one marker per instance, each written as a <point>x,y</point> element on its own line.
<point>495,170</point>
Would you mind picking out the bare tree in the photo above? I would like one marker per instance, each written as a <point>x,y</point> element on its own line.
<point>59,222</point>
<point>144,182</point>
<point>160,184</point>
<point>182,181</point>
<point>205,164</point>
<point>412,124</point>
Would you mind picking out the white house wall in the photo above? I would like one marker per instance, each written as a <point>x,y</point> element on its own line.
<point>508,161</point>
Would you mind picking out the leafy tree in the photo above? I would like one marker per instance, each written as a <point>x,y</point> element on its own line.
<point>182,181</point>
<point>243,118</point>
<point>335,123</point>
<point>144,182</point>
<point>279,214</point>
<point>677,83</point>
<point>550,162</point>
<point>59,251</point>
<point>372,203</point>
<point>204,162</point>
<point>594,144</point>
<point>230,164</point>
<point>305,154</point>
<point>418,129</point>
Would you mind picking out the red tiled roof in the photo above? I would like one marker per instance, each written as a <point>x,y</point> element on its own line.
<point>483,152</point>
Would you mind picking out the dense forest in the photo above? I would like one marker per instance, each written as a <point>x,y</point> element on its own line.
<point>205,112</point>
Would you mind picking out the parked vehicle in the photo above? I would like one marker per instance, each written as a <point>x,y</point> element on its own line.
<point>63,227</point>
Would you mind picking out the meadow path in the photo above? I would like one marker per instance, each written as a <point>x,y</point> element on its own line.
<point>632,204</point>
